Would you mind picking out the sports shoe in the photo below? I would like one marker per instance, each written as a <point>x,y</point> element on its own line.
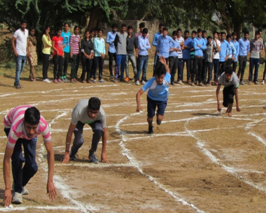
<point>66,80</point>
<point>92,158</point>
<point>18,86</point>
<point>158,122</point>
<point>256,83</point>
<point>192,84</point>
<point>150,130</point>
<point>115,80</point>
<point>47,80</point>
<point>94,81</point>
<point>242,83</point>
<point>59,81</point>
<point>101,81</point>
<point>55,81</point>
<point>180,82</point>
<point>208,84</point>
<point>24,190</point>
<point>200,84</point>
<point>17,198</point>
<point>137,82</point>
<point>72,157</point>
<point>143,82</point>
<point>172,83</point>
<point>127,79</point>
<point>262,82</point>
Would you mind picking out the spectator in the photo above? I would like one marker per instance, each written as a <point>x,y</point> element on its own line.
<point>131,45</point>
<point>20,50</point>
<point>236,45</point>
<point>188,45</point>
<point>111,49</point>
<point>74,54</point>
<point>66,48</point>
<point>230,51</point>
<point>180,39</point>
<point>209,57</point>
<point>87,49</point>
<point>47,45</point>
<point>216,57</point>
<point>155,43</point>
<point>256,47</point>
<point>120,44</point>
<point>173,56</point>
<point>100,51</point>
<point>224,55</point>
<point>58,55</point>
<point>32,55</point>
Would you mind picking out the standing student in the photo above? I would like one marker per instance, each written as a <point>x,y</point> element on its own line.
<point>173,56</point>
<point>66,48</point>
<point>121,52</point>
<point>20,50</point>
<point>244,47</point>
<point>230,82</point>
<point>236,45</point>
<point>224,55</point>
<point>256,47</point>
<point>58,55</point>
<point>188,45</point>
<point>131,45</point>
<point>111,49</point>
<point>100,51</point>
<point>205,61</point>
<point>74,54</point>
<point>209,57</point>
<point>87,50</point>
<point>199,46</point>
<point>157,95</point>
<point>165,42</point>
<point>180,39</point>
<point>47,45</point>
<point>87,112</point>
<point>22,126</point>
<point>192,55</point>
<point>216,56</point>
<point>155,43</point>
<point>230,51</point>
<point>144,46</point>
<point>264,72</point>
<point>32,54</point>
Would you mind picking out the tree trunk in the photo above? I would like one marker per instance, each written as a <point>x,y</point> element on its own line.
<point>94,18</point>
<point>237,28</point>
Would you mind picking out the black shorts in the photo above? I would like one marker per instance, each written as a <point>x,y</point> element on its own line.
<point>151,107</point>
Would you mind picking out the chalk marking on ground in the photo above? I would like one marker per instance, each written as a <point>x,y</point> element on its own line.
<point>99,165</point>
<point>21,208</point>
<point>135,163</point>
<point>251,124</point>
<point>215,160</point>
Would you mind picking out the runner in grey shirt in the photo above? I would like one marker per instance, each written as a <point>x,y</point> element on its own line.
<point>231,83</point>
<point>91,113</point>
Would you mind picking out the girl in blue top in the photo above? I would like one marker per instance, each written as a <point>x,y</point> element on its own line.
<point>157,94</point>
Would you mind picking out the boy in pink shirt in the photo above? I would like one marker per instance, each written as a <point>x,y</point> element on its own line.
<point>22,126</point>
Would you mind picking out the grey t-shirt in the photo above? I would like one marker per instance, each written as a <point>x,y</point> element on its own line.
<point>233,81</point>
<point>79,113</point>
<point>255,47</point>
<point>120,43</point>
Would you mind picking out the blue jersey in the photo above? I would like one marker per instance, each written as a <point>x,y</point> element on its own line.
<point>66,41</point>
<point>158,92</point>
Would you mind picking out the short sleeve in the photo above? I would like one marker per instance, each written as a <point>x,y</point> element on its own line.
<point>236,82</point>
<point>220,80</point>
<point>148,84</point>
<point>74,116</point>
<point>15,35</point>
<point>168,77</point>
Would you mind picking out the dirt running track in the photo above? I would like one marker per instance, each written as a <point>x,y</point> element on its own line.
<point>197,160</point>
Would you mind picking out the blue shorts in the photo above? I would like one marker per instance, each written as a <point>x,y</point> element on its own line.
<point>151,107</point>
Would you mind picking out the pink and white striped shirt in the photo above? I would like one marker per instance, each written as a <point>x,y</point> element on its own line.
<point>14,121</point>
<point>75,44</point>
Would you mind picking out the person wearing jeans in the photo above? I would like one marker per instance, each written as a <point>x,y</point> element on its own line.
<point>235,57</point>
<point>131,45</point>
<point>173,56</point>
<point>111,49</point>
<point>47,45</point>
<point>66,47</point>
<point>74,54</point>
<point>188,45</point>
<point>244,47</point>
<point>20,50</point>
<point>144,46</point>
<point>256,47</point>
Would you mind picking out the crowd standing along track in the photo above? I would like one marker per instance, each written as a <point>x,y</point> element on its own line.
<point>197,161</point>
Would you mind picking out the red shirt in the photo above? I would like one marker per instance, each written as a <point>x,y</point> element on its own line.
<point>58,45</point>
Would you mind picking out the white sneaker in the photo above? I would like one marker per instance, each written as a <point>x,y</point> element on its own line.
<point>180,82</point>
<point>262,82</point>
<point>47,80</point>
<point>17,198</point>
<point>24,190</point>
<point>137,82</point>
<point>143,82</point>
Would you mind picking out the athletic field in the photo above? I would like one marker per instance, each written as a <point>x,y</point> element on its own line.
<point>197,161</point>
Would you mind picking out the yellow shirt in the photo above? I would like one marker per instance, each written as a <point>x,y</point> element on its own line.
<point>46,50</point>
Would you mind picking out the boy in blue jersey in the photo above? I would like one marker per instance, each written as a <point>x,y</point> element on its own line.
<point>157,95</point>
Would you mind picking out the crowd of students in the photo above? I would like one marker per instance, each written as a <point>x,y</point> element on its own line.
<point>203,56</point>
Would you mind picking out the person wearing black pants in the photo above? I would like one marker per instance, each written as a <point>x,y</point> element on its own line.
<point>45,65</point>
<point>221,67</point>
<point>98,61</point>
<point>111,50</point>
<point>87,49</point>
<point>197,69</point>
<point>58,62</point>
<point>111,57</point>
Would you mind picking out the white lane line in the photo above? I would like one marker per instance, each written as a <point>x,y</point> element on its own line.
<point>135,163</point>
<point>21,208</point>
<point>99,165</point>
<point>249,125</point>
<point>201,145</point>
